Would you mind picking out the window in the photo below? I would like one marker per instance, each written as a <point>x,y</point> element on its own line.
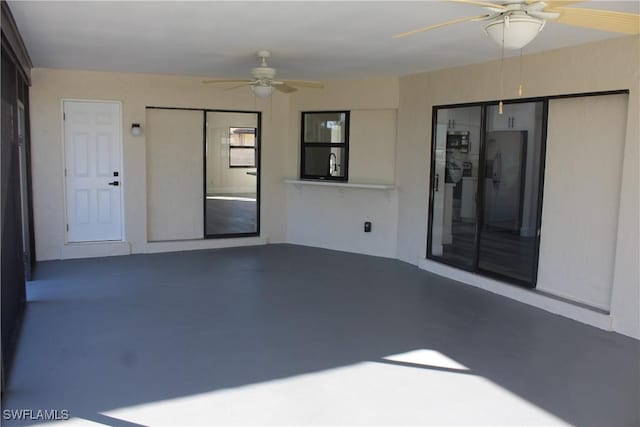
<point>242,147</point>
<point>325,145</point>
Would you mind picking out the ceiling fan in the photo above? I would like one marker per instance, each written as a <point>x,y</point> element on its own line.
<point>515,23</point>
<point>263,82</point>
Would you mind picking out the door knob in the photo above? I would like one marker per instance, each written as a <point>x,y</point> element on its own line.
<point>114,183</point>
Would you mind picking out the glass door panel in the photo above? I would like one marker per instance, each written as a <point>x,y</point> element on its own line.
<point>231,174</point>
<point>512,157</point>
<point>454,185</point>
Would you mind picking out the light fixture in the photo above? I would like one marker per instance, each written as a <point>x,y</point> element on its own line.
<point>262,90</point>
<point>516,30</point>
<point>136,130</point>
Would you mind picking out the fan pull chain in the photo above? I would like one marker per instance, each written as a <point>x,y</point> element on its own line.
<point>520,85</point>
<point>500,104</point>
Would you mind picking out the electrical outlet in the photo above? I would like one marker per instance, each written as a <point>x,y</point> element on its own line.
<point>367,226</point>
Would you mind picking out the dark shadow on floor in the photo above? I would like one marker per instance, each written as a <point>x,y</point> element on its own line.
<point>113,332</point>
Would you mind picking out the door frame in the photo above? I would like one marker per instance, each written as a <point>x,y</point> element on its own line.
<point>25,189</point>
<point>258,174</point>
<point>122,179</point>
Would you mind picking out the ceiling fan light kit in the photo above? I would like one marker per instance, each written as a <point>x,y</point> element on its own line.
<point>518,22</point>
<point>516,31</point>
<point>262,90</point>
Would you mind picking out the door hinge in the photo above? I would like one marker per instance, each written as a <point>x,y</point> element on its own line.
<point>65,171</point>
<point>67,227</point>
<point>64,116</point>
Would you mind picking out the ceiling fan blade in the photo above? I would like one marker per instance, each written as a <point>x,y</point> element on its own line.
<point>285,88</point>
<point>559,3</point>
<point>605,20</point>
<point>547,16</point>
<point>481,4</point>
<point>237,86</point>
<point>443,24</point>
<point>226,81</point>
<point>303,83</point>
<point>534,6</point>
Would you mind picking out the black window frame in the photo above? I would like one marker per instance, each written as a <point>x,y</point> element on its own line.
<point>344,145</point>
<point>244,147</point>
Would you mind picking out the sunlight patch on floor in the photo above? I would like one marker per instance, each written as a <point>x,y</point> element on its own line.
<point>239,199</point>
<point>427,358</point>
<point>363,393</point>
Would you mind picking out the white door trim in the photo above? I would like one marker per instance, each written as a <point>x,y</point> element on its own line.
<point>121,170</point>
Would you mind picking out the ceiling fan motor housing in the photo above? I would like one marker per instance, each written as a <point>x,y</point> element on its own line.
<point>263,73</point>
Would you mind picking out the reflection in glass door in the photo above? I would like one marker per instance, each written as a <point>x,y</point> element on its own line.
<point>231,174</point>
<point>512,153</point>
<point>485,195</point>
<point>456,143</point>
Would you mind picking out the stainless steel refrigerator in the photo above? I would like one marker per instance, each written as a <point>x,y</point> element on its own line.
<point>505,160</point>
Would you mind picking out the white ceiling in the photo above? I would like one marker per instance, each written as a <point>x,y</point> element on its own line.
<point>309,40</point>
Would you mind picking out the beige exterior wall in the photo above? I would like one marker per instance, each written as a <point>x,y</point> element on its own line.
<point>399,216</point>
<point>367,94</point>
<point>174,174</point>
<point>601,66</point>
<point>377,100</point>
<point>136,91</point>
<point>333,217</point>
<point>585,143</point>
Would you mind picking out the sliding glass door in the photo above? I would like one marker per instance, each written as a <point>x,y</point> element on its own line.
<point>203,173</point>
<point>486,189</point>
<point>231,174</point>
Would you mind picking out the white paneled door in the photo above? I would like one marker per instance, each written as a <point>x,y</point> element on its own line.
<point>93,172</point>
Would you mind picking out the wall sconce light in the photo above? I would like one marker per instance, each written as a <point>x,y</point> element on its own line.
<point>136,129</point>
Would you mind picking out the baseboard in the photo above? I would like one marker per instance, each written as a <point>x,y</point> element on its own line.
<point>94,249</point>
<point>199,244</point>
<point>579,312</point>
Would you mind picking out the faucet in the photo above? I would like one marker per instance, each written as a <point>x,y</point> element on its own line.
<point>333,163</point>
